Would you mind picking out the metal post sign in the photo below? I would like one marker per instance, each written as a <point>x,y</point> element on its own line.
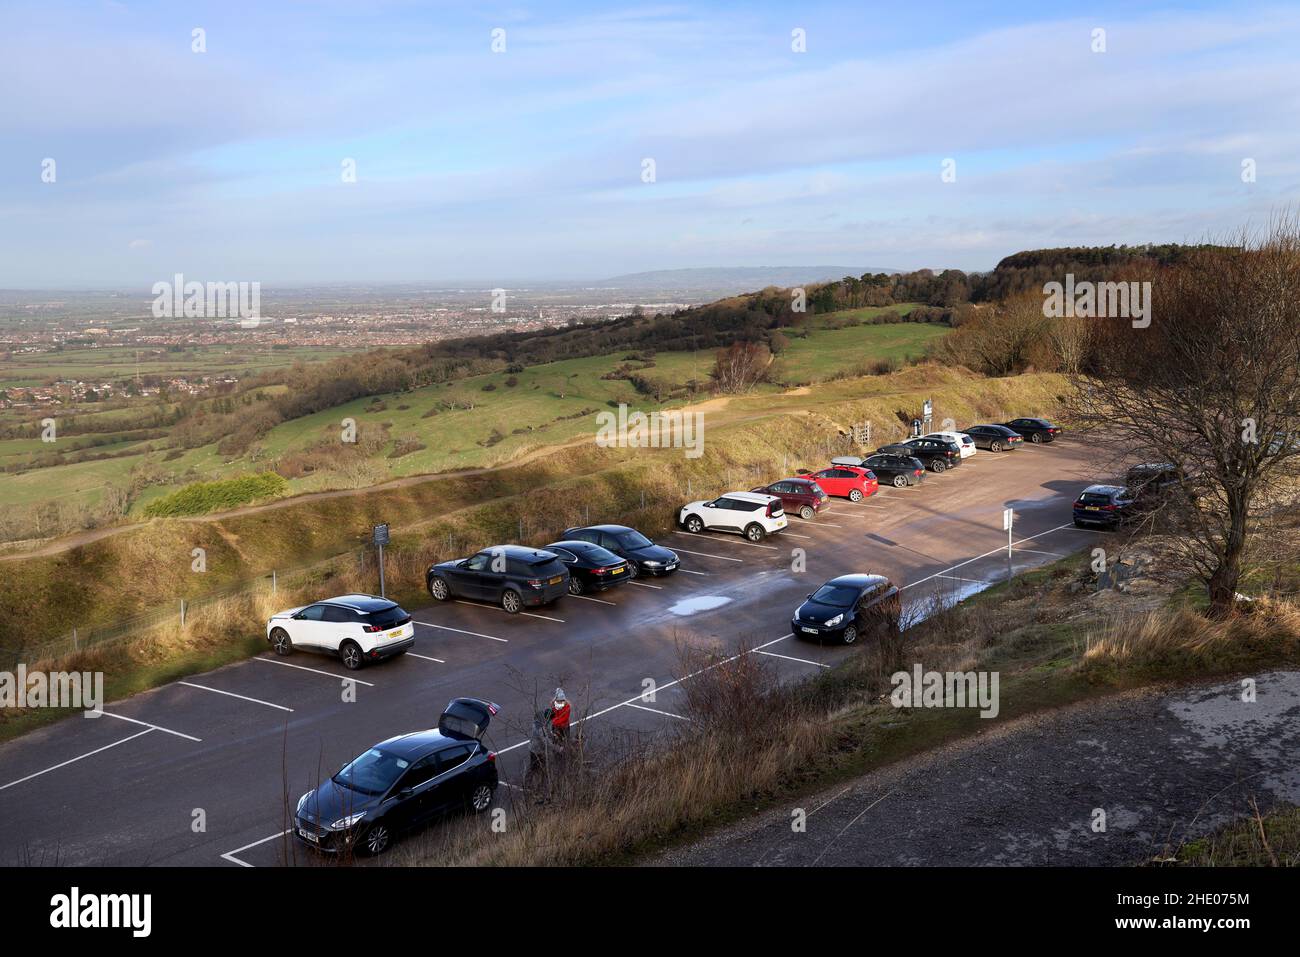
<point>381,535</point>
<point>927,413</point>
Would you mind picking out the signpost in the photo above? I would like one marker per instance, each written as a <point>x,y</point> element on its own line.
<point>1008,519</point>
<point>927,414</point>
<point>380,538</point>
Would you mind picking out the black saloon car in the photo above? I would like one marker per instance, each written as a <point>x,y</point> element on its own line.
<point>512,576</point>
<point>937,455</point>
<point>591,568</point>
<point>897,470</point>
<point>643,556</point>
<point>1035,430</point>
<point>995,438</point>
<point>848,607</point>
<point>402,783</point>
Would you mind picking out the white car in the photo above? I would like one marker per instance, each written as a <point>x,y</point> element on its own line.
<point>964,441</point>
<point>751,514</point>
<point>357,628</point>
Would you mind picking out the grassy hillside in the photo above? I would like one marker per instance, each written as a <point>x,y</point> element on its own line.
<point>468,423</point>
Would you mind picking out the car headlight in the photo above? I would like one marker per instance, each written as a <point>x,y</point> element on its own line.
<point>303,800</point>
<point>832,622</point>
<point>653,564</point>
<point>344,823</point>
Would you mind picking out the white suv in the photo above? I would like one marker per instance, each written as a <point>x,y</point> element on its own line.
<point>751,514</point>
<point>962,440</point>
<point>357,628</point>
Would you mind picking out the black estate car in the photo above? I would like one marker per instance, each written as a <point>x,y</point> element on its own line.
<point>643,556</point>
<point>1104,505</point>
<point>897,470</point>
<point>510,575</point>
<point>847,607</point>
<point>995,438</point>
<point>403,782</point>
<point>1035,430</point>
<point>591,568</point>
<point>936,454</point>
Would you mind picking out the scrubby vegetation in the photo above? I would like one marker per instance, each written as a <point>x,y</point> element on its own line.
<point>203,497</point>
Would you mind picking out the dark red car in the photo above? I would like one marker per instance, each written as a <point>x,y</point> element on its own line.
<point>799,496</point>
<point>847,481</point>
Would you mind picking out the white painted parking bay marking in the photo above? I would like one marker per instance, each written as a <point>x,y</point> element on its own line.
<point>462,631</point>
<point>231,694</point>
<point>426,658</point>
<point>666,714</point>
<point>79,757</point>
<point>689,571</point>
<point>992,551</point>
<point>804,661</point>
<point>156,727</point>
<point>272,661</point>
<point>726,541</point>
<point>656,587</point>
<point>722,558</point>
<point>597,600</point>
<point>477,604</point>
<point>230,855</point>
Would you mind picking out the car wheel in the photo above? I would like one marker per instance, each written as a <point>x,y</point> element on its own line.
<point>850,635</point>
<point>376,839</point>
<point>754,532</point>
<point>281,642</point>
<point>1036,438</point>
<point>351,655</point>
<point>995,446</point>
<point>807,513</point>
<point>694,525</point>
<point>900,481</point>
<point>575,585</point>
<point>855,495</point>
<point>633,570</point>
<point>938,466</point>
<point>511,601</point>
<point>438,589</point>
<point>480,799</point>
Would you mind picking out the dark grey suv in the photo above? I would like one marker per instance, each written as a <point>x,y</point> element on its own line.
<point>512,576</point>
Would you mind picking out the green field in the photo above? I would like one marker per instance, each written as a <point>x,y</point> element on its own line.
<point>481,421</point>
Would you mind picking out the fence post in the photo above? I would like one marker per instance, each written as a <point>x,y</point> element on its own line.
<point>643,498</point>
<point>274,583</point>
<point>521,528</point>
<point>75,645</point>
<point>182,612</point>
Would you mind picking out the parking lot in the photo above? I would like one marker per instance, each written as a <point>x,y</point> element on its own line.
<point>206,771</point>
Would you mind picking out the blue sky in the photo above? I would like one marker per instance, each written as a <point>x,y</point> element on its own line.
<point>527,164</point>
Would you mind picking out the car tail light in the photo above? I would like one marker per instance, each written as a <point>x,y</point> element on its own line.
<point>492,756</point>
<point>1108,508</point>
<point>600,571</point>
<point>771,509</point>
<point>916,471</point>
<point>371,629</point>
<point>535,583</point>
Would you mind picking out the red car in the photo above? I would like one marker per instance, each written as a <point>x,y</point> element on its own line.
<point>799,496</point>
<point>847,481</point>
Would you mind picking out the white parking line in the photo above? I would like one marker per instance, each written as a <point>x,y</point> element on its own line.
<point>656,587</point>
<point>806,538</point>
<point>122,717</point>
<point>992,551</point>
<point>462,631</point>
<point>819,524</point>
<point>78,758</point>
<point>1036,551</point>
<point>599,601</point>
<point>726,541</point>
<point>689,571</point>
<point>723,558</point>
<point>230,855</point>
<point>973,581</point>
<point>426,658</point>
<point>478,604</point>
<point>231,694</point>
<point>803,661</point>
<point>272,661</point>
<point>666,714</point>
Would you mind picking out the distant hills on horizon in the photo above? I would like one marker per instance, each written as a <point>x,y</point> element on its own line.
<point>739,278</point>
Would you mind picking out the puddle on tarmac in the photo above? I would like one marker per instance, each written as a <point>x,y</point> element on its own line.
<point>690,606</point>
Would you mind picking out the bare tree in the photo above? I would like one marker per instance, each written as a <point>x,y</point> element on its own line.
<point>1212,386</point>
<point>741,366</point>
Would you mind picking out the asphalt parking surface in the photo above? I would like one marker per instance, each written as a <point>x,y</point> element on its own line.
<point>238,745</point>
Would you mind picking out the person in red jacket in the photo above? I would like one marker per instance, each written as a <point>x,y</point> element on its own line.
<point>560,714</point>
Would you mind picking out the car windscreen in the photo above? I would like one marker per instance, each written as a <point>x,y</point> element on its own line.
<point>373,772</point>
<point>387,617</point>
<point>839,595</point>
<point>633,539</point>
